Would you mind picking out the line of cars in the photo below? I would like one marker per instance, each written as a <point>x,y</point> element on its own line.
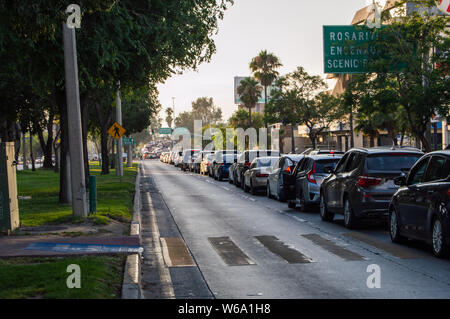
<point>402,185</point>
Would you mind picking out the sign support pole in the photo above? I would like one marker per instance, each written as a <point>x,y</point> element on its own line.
<point>119,168</point>
<point>79,203</point>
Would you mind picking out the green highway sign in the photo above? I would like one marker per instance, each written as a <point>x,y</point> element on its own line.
<point>128,141</point>
<point>165,130</point>
<point>348,48</point>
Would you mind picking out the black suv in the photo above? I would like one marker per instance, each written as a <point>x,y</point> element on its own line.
<point>419,209</point>
<point>362,184</point>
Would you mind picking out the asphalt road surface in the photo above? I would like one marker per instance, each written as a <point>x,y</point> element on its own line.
<point>218,242</point>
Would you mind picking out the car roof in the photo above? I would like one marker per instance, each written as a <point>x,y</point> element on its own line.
<point>325,156</point>
<point>387,149</point>
<point>262,151</point>
<point>440,152</point>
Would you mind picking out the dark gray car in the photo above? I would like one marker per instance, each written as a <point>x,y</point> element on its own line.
<point>362,184</point>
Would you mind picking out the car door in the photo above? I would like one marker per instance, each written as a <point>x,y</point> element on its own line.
<point>428,193</point>
<point>331,184</point>
<point>410,196</point>
<point>275,176</point>
<point>301,177</point>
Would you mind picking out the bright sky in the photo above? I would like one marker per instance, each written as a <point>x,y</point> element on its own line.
<point>291,29</point>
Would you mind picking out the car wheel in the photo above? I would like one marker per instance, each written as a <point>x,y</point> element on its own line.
<point>268,190</point>
<point>292,204</point>
<point>394,227</point>
<point>280,195</point>
<point>349,216</point>
<point>324,213</point>
<point>252,189</point>
<point>219,178</point>
<point>438,238</point>
<point>243,183</point>
<point>244,187</point>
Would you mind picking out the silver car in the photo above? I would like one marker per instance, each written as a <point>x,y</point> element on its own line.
<point>307,177</point>
<point>255,178</point>
<point>281,172</point>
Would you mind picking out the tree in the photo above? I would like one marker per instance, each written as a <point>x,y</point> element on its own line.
<point>249,91</point>
<point>169,116</point>
<point>413,59</point>
<point>240,119</point>
<point>300,98</point>
<point>264,68</point>
<point>204,109</point>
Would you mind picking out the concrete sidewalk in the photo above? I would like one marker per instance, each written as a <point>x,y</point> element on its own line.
<point>15,246</point>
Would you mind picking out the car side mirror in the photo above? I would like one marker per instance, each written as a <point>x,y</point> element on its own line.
<point>400,180</point>
<point>328,169</point>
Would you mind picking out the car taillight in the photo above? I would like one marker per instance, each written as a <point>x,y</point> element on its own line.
<point>222,164</point>
<point>262,175</point>
<point>366,181</point>
<point>448,192</point>
<point>288,169</point>
<point>310,175</point>
<point>247,164</point>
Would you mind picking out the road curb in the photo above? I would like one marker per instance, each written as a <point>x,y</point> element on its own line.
<point>131,286</point>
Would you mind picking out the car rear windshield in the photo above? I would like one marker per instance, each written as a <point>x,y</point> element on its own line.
<point>321,164</point>
<point>255,154</point>
<point>391,162</point>
<point>267,162</point>
<point>229,158</point>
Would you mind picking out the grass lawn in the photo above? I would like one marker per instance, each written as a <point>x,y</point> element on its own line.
<point>114,198</point>
<point>101,277</point>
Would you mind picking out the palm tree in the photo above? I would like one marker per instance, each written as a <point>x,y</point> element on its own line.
<point>264,67</point>
<point>250,91</point>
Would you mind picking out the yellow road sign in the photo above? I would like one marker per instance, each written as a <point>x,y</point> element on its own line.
<point>116,130</point>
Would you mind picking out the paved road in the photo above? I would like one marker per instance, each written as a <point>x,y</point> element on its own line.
<point>217,241</point>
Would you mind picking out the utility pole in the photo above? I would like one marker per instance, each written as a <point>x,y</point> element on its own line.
<point>119,168</point>
<point>77,177</point>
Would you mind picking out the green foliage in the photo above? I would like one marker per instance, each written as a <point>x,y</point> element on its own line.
<point>300,98</point>
<point>249,91</point>
<point>203,109</point>
<point>22,278</point>
<point>409,85</point>
<point>240,119</point>
<point>115,198</point>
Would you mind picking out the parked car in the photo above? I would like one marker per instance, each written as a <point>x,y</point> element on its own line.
<point>223,163</point>
<point>276,180</point>
<point>192,160</point>
<point>419,209</point>
<point>307,177</point>
<point>186,158</point>
<point>199,159</point>
<point>205,164</point>
<point>323,152</point>
<point>362,184</point>
<point>217,160</point>
<point>244,162</point>
<point>255,178</point>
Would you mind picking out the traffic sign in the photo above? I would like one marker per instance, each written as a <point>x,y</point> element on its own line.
<point>128,141</point>
<point>116,130</point>
<point>347,49</point>
<point>165,130</point>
